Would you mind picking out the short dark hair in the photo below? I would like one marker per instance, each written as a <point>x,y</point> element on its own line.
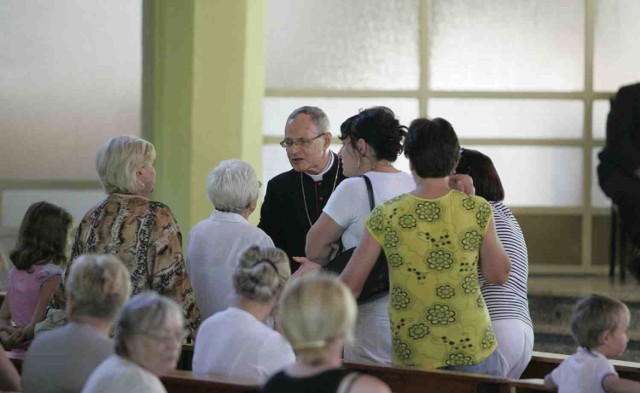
<point>379,128</point>
<point>594,315</point>
<point>43,235</point>
<point>484,174</point>
<point>432,147</point>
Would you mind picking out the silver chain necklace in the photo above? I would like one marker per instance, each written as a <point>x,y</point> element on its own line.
<point>304,197</point>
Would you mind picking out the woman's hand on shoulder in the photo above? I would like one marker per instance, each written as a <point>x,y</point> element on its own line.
<point>463,183</point>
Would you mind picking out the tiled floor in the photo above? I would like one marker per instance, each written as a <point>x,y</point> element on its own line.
<point>578,286</point>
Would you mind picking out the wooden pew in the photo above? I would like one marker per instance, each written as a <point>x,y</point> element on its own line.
<point>410,380</point>
<point>542,363</point>
<point>399,380</point>
<point>180,381</point>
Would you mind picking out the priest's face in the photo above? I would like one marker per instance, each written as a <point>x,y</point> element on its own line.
<point>310,148</point>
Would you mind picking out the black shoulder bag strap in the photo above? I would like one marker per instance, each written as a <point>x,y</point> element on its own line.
<point>369,191</point>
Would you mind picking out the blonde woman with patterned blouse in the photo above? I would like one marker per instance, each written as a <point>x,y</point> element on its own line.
<point>142,233</point>
<point>434,238</point>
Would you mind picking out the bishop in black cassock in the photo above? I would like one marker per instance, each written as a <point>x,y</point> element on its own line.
<point>294,200</point>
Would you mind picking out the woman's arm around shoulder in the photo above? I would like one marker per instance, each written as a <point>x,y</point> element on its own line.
<point>495,264</point>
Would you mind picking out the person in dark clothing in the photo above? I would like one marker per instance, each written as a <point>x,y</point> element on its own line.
<point>294,199</point>
<point>619,168</point>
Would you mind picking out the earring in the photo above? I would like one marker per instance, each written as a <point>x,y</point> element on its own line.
<point>358,165</point>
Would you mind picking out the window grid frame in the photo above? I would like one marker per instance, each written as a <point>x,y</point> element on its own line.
<point>587,142</point>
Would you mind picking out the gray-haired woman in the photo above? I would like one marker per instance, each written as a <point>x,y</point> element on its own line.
<point>142,233</point>
<point>148,339</point>
<point>236,341</point>
<point>216,244</point>
<point>61,360</point>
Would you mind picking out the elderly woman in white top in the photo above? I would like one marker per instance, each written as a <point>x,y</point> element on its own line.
<point>371,143</point>
<point>148,340</point>
<point>236,341</point>
<point>216,244</point>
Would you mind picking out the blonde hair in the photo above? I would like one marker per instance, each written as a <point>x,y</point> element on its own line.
<point>119,159</point>
<point>261,273</point>
<point>594,315</point>
<point>315,310</point>
<point>232,186</point>
<point>98,286</point>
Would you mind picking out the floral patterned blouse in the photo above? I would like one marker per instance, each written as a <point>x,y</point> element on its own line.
<point>438,317</point>
<point>145,236</point>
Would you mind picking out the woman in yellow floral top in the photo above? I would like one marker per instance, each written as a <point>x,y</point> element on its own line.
<point>141,233</point>
<point>435,238</point>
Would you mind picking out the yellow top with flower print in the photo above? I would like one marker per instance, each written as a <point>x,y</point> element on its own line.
<point>438,316</point>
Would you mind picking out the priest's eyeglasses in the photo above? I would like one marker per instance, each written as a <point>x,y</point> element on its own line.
<point>302,142</point>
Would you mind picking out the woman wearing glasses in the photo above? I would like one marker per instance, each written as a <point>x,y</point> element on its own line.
<point>216,244</point>
<point>236,342</point>
<point>148,338</point>
<point>371,143</point>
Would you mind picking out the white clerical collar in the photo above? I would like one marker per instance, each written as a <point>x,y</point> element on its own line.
<point>326,169</point>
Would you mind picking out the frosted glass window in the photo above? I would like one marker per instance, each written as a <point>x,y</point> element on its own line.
<point>70,77</point>
<point>598,199</point>
<point>274,162</point>
<point>78,202</point>
<point>337,44</point>
<point>276,110</point>
<point>538,176</point>
<point>502,118</point>
<point>507,45</point>
<point>599,123</point>
<point>615,55</point>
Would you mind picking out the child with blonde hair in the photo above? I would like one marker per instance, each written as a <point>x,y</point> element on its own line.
<point>38,258</point>
<point>599,326</point>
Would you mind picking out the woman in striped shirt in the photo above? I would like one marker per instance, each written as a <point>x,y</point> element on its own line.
<point>507,304</point>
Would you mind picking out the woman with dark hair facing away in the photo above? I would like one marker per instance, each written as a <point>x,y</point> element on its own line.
<point>39,258</point>
<point>140,232</point>
<point>434,238</point>
<point>318,313</point>
<point>508,305</point>
<point>255,350</point>
<point>371,143</point>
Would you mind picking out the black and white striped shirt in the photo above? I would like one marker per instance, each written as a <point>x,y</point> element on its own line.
<point>509,301</point>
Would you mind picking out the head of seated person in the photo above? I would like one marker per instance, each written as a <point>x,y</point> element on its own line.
<point>150,331</point>
<point>62,359</point>
<point>97,287</point>
<point>484,174</point>
<point>432,148</point>
<point>260,277</point>
<point>371,140</point>
<point>318,313</point>
<point>233,187</point>
<point>125,166</point>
